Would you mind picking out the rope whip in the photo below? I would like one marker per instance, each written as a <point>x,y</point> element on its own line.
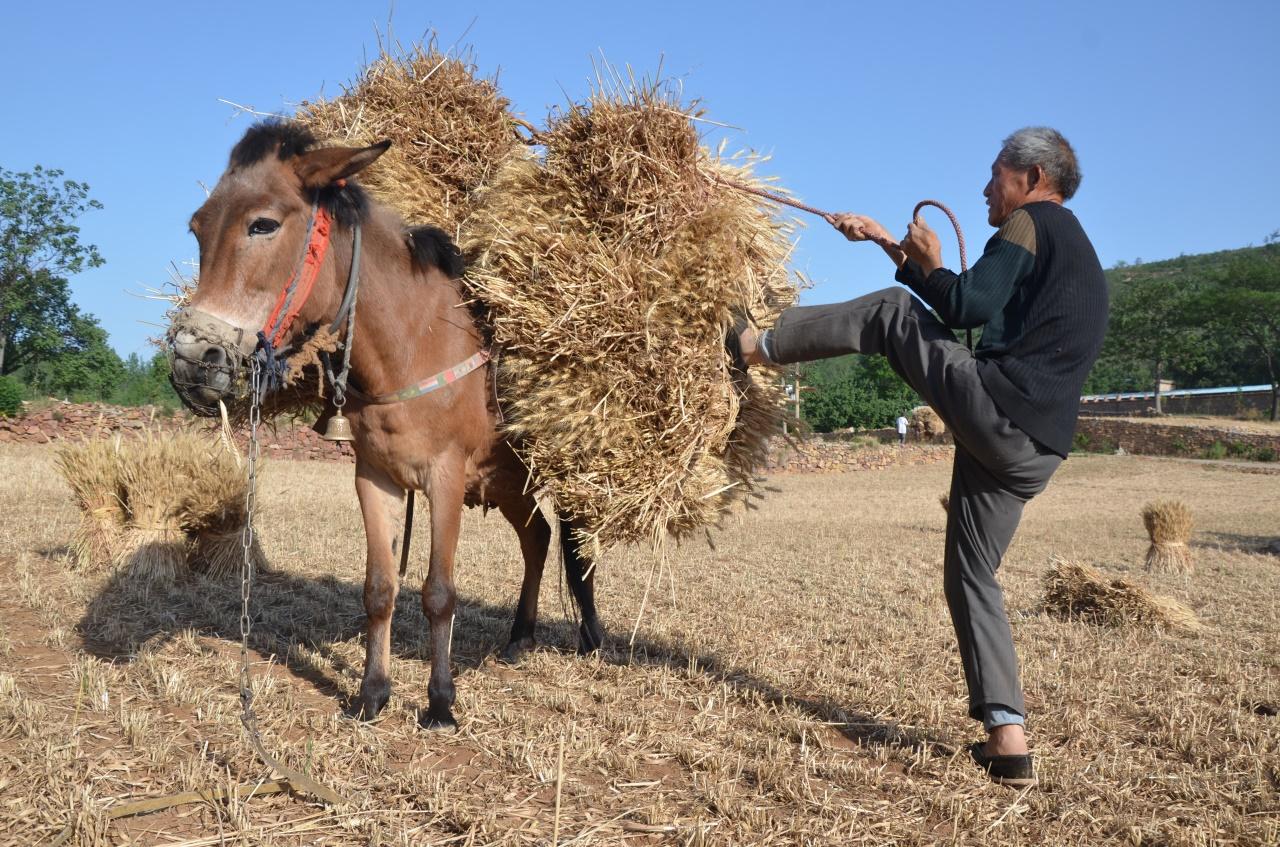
<point>883,242</point>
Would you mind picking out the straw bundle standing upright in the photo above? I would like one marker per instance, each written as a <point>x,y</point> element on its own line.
<point>1169,525</point>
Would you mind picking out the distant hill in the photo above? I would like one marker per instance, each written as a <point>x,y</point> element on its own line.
<point>1219,361</point>
<point>1193,266</point>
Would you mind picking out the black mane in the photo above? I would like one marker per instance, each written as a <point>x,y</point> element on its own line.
<point>349,205</point>
<point>284,138</point>
<point>430,245</point>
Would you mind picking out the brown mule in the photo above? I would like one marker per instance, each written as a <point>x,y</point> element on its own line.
<point>411,323</point>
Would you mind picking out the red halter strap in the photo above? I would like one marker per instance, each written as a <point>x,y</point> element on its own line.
<point>298,289</point>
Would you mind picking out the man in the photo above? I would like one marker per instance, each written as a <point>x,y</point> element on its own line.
<point>1040,297</point>
<point>902,430</point>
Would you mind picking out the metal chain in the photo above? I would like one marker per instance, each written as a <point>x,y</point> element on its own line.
<point>248,717</point>
<point>246,537</point>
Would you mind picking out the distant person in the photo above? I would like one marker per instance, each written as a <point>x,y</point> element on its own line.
<point>1040,297</point>
<point>902,430</point>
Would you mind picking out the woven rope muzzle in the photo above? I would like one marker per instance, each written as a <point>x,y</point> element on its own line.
<point>193,326</point>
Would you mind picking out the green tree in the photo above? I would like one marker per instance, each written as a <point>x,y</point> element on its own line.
<point>1152,325</point>
<point>1213,357</point>
<point>10,397</point>
<point>1243,302</point>
<point>862,392</point>
<point>39,249</point>
<point>146,382</point>
<point>85,368</point>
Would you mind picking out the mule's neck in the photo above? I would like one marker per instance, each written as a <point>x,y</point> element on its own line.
<point>411,321</point>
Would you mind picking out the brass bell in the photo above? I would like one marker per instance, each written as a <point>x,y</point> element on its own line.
<point>338,428</point>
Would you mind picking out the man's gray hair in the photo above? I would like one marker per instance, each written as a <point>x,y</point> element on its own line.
<point>1043,146</point>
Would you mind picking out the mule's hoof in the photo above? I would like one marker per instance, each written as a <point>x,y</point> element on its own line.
<point>371,702</point>
<point>590,638</point>
<point>433,722</point>
<point>515,651</point>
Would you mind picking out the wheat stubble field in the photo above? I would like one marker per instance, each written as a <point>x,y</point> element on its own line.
<point>798,684</point>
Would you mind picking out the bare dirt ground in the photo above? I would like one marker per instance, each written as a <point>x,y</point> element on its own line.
<point>796,685</point>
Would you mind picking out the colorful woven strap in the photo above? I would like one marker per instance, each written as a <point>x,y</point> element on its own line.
<point>429,384</point>
<point>298,288</point>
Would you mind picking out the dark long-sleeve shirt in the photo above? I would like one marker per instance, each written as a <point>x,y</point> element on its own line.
<point>1040,297</point>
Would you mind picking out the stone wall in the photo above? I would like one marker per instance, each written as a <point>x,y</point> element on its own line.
<point>295,440</point>
<point>1168,439</point>
<point>74,421</point>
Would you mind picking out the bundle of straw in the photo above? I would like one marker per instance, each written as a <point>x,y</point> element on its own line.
<point>1075,590</point>
<point>213,513</point>
<point>926,424</point>
<point>154,471</point>
<point>92,470</point>
<point>450,131</point>
<point>171,501</point>
<point>611,276</point>
<point>1168,524</point>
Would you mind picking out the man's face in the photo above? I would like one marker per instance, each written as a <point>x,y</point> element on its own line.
<point>1007,190</point>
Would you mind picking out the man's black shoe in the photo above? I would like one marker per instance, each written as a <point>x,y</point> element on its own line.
<point>1016,771</point>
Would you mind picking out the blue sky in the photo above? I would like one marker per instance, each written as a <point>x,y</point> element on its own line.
<point>1172,107</point>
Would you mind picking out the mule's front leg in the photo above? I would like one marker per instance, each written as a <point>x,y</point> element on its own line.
<point>381,501</point>
<point>439,595</point>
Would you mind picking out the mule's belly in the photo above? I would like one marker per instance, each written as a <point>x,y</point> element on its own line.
<point>416,454</point>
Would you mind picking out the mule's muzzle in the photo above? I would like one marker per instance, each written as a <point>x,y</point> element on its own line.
<point>206,359</point>
<point>202,375</point>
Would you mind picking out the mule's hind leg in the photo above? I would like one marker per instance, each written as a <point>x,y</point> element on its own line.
<point>581,578</point>
<point>380,502</point>
<point>439,594</point>
<point>535,540</point>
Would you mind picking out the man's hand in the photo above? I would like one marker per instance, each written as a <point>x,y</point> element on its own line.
<point>922,245</point>
<point>863,228</point>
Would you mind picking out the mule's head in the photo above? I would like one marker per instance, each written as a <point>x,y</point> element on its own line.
<point>253,231</point>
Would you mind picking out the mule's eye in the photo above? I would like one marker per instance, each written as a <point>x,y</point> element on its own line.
<point>263,226</point>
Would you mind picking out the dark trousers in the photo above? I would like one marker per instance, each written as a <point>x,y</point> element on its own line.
<point>997,468</point>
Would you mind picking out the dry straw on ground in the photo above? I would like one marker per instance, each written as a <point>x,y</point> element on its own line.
<point>1076,590</point>
<point>802,689</point>
<point>612,274</point>
<point>1168,524</point>
<point>157,504</point>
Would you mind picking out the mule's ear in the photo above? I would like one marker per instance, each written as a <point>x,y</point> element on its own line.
<point>323,167</point>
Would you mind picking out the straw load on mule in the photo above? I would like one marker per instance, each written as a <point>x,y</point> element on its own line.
<point>608,273</point>
<point>158,505</point>
<point>450,132</point>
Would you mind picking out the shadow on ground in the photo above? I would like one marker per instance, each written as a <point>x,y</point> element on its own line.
<point>1238,543</point>
<point>318,613</point>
